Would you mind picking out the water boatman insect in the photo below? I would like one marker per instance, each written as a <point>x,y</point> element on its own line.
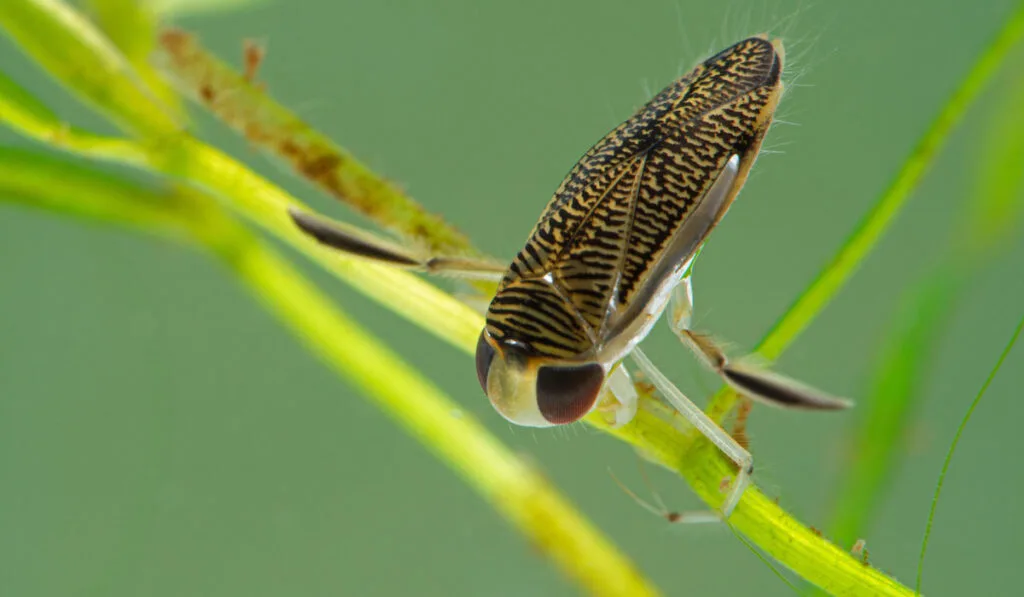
<point>613,250</point>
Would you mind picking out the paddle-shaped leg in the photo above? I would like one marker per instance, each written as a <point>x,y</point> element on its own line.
<point>753,382</point>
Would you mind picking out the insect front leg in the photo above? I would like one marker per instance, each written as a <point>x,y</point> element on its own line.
<point>708,428</point>
<point>348,239</point>
<point>751,381</point>
<point>620,384</point>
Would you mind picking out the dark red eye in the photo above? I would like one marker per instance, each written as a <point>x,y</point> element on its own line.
<point>566,393</point>
<point>484,356</point>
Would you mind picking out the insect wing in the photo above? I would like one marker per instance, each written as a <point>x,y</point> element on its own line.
<point>612,231</point>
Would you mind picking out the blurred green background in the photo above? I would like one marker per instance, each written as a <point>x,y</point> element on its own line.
<point>161,434</point>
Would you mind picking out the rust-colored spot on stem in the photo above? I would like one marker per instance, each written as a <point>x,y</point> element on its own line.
<point>242,104</point>
<point>206,93</point>
<point>252,53</point>
<point>739,428</point>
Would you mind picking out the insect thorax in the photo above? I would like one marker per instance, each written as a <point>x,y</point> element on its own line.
<point>534,315</point>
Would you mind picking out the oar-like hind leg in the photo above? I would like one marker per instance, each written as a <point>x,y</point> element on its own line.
<point>753,382</point>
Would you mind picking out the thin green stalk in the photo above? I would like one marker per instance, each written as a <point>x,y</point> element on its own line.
<point>877,221</point>
<point>952,449</point>
<point>29,116</point>
<point>989,218</point>
<point>518,492</point>
<point>890,401</point>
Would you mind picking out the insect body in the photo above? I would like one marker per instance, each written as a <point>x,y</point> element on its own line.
<point>614,248</point>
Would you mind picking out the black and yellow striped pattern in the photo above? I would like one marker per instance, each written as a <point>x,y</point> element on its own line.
<point>609,224</point>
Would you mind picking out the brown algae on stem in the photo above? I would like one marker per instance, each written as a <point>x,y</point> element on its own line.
<point>243,105</point>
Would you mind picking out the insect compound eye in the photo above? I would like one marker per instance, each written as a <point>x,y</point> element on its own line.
<point>567,392</point>
<point>484,356</point>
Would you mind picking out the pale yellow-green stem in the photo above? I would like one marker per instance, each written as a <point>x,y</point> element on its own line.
<point>517,491</point>
<point>552,524</point>
<point>131,26</point>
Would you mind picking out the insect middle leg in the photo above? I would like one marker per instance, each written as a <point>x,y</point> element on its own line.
<point>708,428</point>
<point>753,382</point>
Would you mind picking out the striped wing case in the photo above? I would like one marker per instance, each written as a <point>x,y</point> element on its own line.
<point>600,248</point>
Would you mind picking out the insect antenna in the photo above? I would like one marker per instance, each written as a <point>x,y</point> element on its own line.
<point>658,508</point>
<point>661,511</point>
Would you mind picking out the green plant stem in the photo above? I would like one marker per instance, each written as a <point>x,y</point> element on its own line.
<point>45,182</point>
<point>131,26</point>
<point>81,58</point>
<point>952,448</point>
<point>30,117</point>
<point>877,221</point>
<point>662,435</point>
<point>518,492</point>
